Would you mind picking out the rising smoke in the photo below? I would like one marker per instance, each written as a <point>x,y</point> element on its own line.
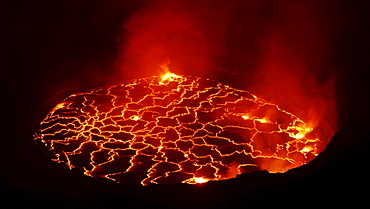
<point>279,50</point>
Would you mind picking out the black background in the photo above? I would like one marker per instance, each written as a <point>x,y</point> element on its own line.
<point>45,46</point>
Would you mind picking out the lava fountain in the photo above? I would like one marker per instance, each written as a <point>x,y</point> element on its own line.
<point>175,129</point>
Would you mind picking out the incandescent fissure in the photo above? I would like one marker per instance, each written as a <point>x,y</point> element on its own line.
<point>175,129</point>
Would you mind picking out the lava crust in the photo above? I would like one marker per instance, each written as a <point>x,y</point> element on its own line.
<point>175,129</point>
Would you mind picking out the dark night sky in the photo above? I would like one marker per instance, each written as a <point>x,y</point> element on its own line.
<point>48,46</point>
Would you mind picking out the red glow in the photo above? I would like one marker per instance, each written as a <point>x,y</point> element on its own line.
<point>281,50</point>
<point>174,129</point>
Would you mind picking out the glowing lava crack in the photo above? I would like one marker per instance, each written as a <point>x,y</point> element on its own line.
<point>174,129</point>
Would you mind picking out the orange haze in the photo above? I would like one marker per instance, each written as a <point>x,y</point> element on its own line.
<point>279,50</point>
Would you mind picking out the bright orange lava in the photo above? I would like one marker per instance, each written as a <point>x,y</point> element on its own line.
<point>174,129</point>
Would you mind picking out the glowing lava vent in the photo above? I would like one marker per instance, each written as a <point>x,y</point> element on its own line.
<point>174,129</point>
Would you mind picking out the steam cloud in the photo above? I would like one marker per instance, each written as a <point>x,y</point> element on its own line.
<point>280,50</point>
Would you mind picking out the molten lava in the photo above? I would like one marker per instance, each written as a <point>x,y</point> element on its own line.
<point>174,129</point>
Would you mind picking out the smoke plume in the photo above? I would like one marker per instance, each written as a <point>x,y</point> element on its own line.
<point>279,50</point>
